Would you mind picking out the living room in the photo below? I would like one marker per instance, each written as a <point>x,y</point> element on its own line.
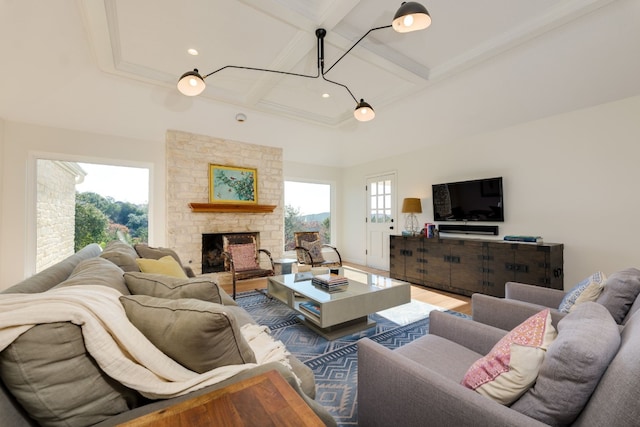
<point>566,168</point>
<point>549,102</point>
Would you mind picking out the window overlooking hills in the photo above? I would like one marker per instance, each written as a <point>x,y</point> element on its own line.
<point>307,208</point>
<point>82,203</point>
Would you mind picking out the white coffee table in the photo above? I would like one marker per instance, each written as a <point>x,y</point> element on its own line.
<point>345,311</point>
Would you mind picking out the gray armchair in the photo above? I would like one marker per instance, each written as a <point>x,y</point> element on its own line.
<point>419,384</point>
<point>620,297</point>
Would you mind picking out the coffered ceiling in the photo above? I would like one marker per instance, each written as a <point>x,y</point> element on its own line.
<point>111,66</point>
<point>148,40</point>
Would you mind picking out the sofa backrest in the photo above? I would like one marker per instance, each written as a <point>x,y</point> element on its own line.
<point>615,400</point>
<point>58,273</point>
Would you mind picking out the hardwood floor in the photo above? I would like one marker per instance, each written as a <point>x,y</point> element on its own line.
<point>459,303</point>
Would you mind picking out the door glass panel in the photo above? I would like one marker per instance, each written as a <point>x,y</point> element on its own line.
<point>380,201</point>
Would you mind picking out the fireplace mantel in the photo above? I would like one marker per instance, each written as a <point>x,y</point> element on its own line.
<point>231,207</point>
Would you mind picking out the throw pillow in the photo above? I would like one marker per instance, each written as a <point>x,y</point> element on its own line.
<point>620,292</point>
<point>588,339</point>
<point>511,367</point>
<point>146,251</point>
<point>315,250</point>
<point>166,265</point>
<point>591,293</point>
<point>199,335</point>
<point>244,256</point>
<point>49,372</point>
<point>161,286</point>
<point>570,298</point>
<point>96,271</point>
<point>121,254</point>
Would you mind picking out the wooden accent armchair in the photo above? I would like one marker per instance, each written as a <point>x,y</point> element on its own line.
<point>243,256</point>
<point>309,250</point>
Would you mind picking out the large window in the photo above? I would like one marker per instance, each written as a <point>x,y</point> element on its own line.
<point>81,203</point>
<point>307,208</point>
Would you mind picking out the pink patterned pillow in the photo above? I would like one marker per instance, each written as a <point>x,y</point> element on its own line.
<point>512,365</point>
<point>244,256</point>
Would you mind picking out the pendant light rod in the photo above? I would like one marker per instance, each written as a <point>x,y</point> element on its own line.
<point>354,45</point>
<point>238,67</point>
<point>320,33</point>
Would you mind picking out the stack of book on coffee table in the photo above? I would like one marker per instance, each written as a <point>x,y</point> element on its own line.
<point>330,281</point>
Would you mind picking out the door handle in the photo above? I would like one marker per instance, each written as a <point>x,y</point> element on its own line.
<point>391,228</point>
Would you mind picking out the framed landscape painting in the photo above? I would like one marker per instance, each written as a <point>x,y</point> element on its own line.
<point>230,184</point>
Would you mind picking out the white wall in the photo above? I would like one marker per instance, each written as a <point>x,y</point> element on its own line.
<point>569,178</point>
<point>2,181</point>
<point>23,144</point>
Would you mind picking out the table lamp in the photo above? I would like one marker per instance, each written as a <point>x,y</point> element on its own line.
<point>411,206</point>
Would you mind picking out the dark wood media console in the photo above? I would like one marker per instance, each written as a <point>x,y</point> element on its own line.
<point>468,266</point>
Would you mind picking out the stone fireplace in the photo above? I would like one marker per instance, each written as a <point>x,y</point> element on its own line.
<point>188,159</point>
<point>214,244</point>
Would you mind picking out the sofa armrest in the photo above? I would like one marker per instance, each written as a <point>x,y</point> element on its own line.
<point>534,294</point>
<point>396,391</point>
<point>506,314</point>
<point>475,336</point>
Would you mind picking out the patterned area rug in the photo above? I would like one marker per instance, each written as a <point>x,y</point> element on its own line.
<point>334,363</point>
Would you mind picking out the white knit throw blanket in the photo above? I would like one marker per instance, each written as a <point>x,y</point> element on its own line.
<point>120,349</point>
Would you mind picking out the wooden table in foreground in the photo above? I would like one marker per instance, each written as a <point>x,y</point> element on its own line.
<point>264,400</point>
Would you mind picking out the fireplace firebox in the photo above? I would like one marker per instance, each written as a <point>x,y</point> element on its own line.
<point>214,244</point>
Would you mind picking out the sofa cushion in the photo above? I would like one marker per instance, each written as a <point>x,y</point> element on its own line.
<point>588,339</point>
<point>511,367</point>
<point>620,292</point>
<point>49,372</point>
<point>244,257</point>
<point>121,254</point>
<point>197,334</point>
<point>146,251</point>
<point>96,271</point>
<point>571,297</point>
<point>161,286</point>
<point>166,265</point>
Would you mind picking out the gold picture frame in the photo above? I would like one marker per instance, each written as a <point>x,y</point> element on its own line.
<point>233,184</point>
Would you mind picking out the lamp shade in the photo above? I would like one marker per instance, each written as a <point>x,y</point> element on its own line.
<point>191,83</point>
<point>411,16</point>
<point>364,112</point>
<point>411,205</point>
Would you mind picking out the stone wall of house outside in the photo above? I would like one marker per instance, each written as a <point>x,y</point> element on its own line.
<point>55,211</point>
<point>188,159</point>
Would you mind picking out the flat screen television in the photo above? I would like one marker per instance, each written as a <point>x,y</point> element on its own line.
<point>476,200</point>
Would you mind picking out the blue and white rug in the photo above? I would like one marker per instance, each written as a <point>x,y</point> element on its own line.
<point>334,363</point>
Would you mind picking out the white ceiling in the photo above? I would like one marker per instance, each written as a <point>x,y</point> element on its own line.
<point>110,66</point>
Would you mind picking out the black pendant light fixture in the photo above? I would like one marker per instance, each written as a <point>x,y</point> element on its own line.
<point>411,16</point>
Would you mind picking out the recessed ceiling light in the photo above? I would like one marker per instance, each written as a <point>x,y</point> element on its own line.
<point>192,51</point>
<point>325,95</point>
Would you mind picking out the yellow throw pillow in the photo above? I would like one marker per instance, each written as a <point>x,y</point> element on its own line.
<point>166,265</point>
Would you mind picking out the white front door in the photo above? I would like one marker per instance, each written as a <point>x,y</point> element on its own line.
<point>381,222</point>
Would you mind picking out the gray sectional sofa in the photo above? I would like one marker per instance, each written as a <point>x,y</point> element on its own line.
<point>49,378</point>
<point>589,375</point>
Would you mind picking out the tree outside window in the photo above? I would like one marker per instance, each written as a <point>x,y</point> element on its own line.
<point>307,208</point>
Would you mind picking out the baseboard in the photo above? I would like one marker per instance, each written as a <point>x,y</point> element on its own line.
<point>468,229</point>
